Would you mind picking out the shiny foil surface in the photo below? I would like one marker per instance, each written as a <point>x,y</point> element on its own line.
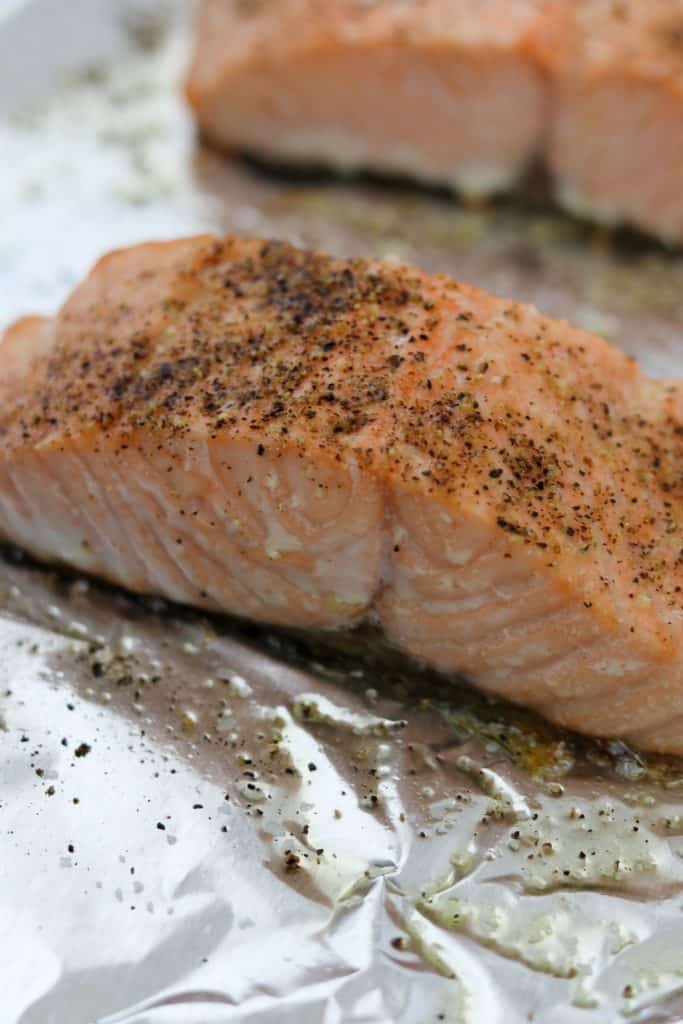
<point>203,821</point>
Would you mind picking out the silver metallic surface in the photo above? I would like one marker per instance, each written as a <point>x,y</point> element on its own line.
<point>204,822</point>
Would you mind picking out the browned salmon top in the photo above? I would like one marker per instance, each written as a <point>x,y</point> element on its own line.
<point>637,39</point>
<point>236,31</point>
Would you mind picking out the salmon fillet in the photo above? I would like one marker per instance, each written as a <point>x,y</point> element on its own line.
<point>440,91</point>
<point>248,427</point>
<point>466,93</point>
<point>616,139</point>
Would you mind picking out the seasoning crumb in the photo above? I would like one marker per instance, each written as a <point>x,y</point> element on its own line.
<point>292,860</point>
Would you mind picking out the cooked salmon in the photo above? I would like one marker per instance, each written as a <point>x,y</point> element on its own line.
<point>253,428</point>
<point>440,91</point>
<point>467,93</point>
<point>616,139</point>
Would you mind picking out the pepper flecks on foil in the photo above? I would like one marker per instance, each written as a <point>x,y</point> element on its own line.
<point>355,782</point>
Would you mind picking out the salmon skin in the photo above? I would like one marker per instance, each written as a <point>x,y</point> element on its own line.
<point>466,93</point>
<point>252,428</point>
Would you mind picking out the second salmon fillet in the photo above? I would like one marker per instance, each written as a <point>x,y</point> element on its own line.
<point>615,145</point>
<point>252,428</point>
<point>441,91</point>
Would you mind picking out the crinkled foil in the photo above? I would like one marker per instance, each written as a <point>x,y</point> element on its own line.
<point>202,821</point>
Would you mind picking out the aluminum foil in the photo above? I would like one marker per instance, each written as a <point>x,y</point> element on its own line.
<point>202,821</point>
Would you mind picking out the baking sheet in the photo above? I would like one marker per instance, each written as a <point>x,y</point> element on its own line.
<point>202,821</point>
